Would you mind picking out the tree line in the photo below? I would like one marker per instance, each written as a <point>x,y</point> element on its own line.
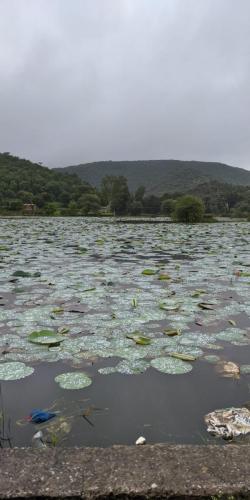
<point>54,193</point>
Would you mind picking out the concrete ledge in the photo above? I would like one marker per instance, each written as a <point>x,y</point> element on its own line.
<point>151,471</point>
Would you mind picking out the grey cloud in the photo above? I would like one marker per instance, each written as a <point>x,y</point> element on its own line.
<point>92,80</point>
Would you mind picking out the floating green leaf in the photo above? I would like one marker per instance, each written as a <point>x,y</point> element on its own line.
<point>73,380</point>
<point>197,293</point>
<point>184,357</point>
<point>206,306</point>
<point>163,277</point>
<point>139,339</point>
<point>127,367</point>
<point>26,274</point>
<point>245,369</point>
<point>63,330</point>
<point>212,358</point>
<point>58,310</point>
<point>149,272</point>
<point>134,302</point>
<point>171,332</point>
<point>46,337</point>
<point>171,366</point>
<point>107,370</point>
<point>14,371</point>
<point>22,274</point>
<point>169,307</point>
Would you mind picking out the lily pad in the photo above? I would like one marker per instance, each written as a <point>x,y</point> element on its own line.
<point>73,380</point>
<point>22,274</point>
<point>14,371</point>
<point>45,337</point>
<point>169,307</point>
<point>107,370</point>
<point>171,366</point>
<point>149,272</point>
<point>127,367</point>
<point>245,369</point>
<point>172,332</point>
<point>212,358</point>
<point>184,357</point>
<point>206,306</point>
<point>139,339</point>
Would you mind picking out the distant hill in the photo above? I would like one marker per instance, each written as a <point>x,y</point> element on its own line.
<point>22,181</point>
<point>160,176</point>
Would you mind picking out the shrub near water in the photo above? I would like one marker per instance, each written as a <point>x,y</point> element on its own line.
<point>189,209</point>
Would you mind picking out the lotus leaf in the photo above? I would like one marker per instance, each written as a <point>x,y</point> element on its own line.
<point>139,339</point>
<point>73,380</point>
<point>171,332</point>
<point>149,272</point>
<point>211,358</point>
<point>169,307</point>
<point>184,357</point>
<point>245,369</point>
<point>45,337</point>
<point>171,366</point>
<point>14,371</point>
<point>206,306</point>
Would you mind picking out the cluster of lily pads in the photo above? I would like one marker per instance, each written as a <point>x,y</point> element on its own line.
<point>145,296</point>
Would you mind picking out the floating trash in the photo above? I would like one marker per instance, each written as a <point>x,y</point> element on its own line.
<point>228,423</point>
<point>40,416</point>
<point>228,369</point>
<point>38,440</point>
<point>140,441</point>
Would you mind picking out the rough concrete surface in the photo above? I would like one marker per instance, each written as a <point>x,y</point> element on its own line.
<point>150,471</point>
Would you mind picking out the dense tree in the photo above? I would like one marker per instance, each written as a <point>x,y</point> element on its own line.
<point>15,204</point>
<point>89,204</point>
<point>167,207</point>
<point>189,209</point>
<point>135,207</point>
<point>120,196</point>
<point>72,208</point>
<point>106,190</point>
<point>25,182</point>
<point>52,208</point>
<point>152,205</point>
<point>139,193</point>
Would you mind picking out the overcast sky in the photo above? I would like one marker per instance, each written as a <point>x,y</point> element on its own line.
<point>87,80</point>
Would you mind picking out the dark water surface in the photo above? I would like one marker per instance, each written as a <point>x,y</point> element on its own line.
<point>163,408</point>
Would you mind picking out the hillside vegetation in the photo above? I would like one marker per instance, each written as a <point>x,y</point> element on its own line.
<point>52,192</point>
<point>22,181</point>
<point>161,176</point>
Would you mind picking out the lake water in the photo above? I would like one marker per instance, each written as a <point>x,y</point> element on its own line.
<point>111,295</point>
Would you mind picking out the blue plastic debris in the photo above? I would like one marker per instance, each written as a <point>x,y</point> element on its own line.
<point>39,416</point>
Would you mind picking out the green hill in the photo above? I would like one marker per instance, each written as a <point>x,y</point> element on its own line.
<point>160,176</point>
<point>22,181</point>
